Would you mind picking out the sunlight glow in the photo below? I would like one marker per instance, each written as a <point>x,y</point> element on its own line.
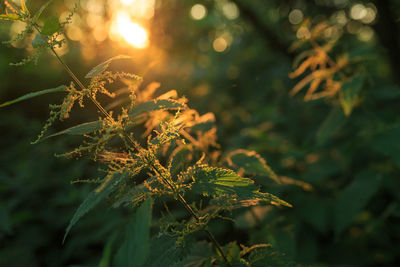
<point>132,32</point>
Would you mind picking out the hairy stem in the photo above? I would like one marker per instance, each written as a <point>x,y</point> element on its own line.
<point>180,198</point>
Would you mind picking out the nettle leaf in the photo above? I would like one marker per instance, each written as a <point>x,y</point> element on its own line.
<point>200,255</point>
<point>157,104</point>
<point>203,126</point>
<point>111,183</point>
<point>349,93</point>
<point>99,69</point>
<point>135,249</point>
<point>51,26</point>
<point>353,198</point>
<point>179,160</point>
<point>214,181</point>
<point>220,183</point>
<point>60,88</point>
<point>10,16</point>
<point>164,251</point>
<point>89,127</point>
<point>80,129</point>
<point>250,163</point>
<point>40,41</point>
<point>41,9</point>
<point>267,256</point>
<point>335,120</point>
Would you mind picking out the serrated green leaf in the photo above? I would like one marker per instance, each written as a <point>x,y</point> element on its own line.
<point>179,161</point>
<point>135,249</point>
<point>267,256</point>
<point>10,16</point>
<point>111,183</point>
<point>223,183</point>
<point>353,198</point>
<point>251,163</point>
<point>200,256</point>
<point>41,9</point>
<point>51,26</point>
<point>333,122</point>
<point>99,69</point>
<point>349,93</point>
<point>218,182</point>
<point>60,88</point>
<point>157,104</point>
<point>164,251</point>
<point>39,41</point>
<point>80,129</point>
<point>93,126</point>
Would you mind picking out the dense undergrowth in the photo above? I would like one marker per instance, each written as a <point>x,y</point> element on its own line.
<point>175,194</point>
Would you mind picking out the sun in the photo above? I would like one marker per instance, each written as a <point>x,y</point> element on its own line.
<point>131,32</point>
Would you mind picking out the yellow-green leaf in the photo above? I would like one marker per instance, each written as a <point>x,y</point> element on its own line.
<point>41,9</point>
<point>99,69</point>
<point>51,26</point>
<point>158,104</point>
<point>349,93</point>
<point>10,16</point>
<point>251,163</point>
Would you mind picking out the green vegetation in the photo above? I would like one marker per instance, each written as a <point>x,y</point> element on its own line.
<point>302,97</point>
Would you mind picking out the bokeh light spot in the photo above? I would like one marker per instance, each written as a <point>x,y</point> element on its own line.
<point>198,11</point>
<point>220,44</point>
<point>230,11</point>
<point>296,16</point>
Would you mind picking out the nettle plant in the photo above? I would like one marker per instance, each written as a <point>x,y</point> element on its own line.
<point>153,149</point>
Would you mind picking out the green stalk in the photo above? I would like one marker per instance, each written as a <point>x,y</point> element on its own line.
<point>180,198</point>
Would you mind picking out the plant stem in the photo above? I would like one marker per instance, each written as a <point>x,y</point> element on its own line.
<point>181,199</point>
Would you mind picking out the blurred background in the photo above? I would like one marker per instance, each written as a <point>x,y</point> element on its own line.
<point>232,58</point>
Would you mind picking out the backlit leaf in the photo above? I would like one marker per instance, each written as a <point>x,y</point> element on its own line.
<point>81,129</point>
<point>10,16</point>
<point>349,93</point>
<point>51,26</point>
<point>251,163</point>
<point>60,88</point>
<point>157,104</point>
<point>220,183</point>
<point>99,69</point>
<point>41,9</point>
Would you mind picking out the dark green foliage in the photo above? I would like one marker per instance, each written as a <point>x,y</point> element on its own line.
<point>111,183</point>
<point>134,250</point>
<point>60,88</point>
<point>51,26</point>
<point>334,156</point>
